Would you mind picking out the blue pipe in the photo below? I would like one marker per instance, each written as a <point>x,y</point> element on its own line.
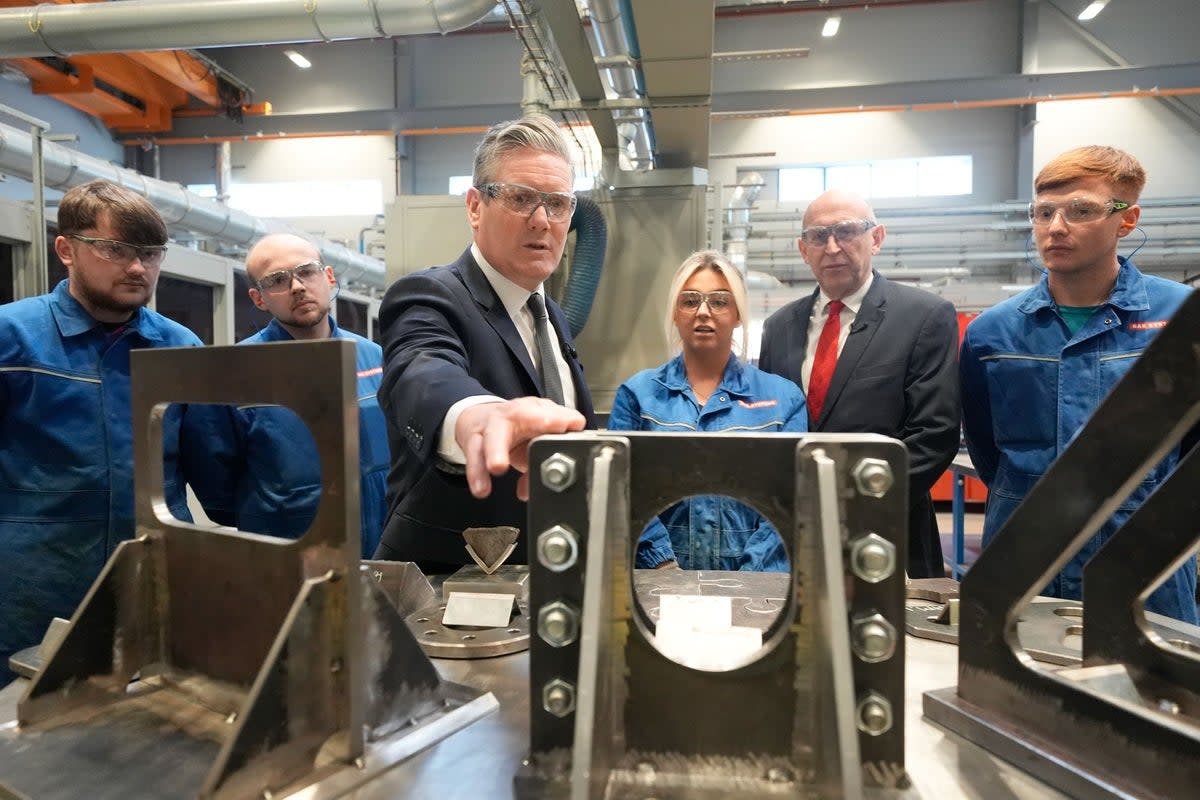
<point>587,262</point>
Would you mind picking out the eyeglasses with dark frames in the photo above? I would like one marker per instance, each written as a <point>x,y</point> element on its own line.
<point>844,231</point>
<point>119,252</point>
<point>718,302</point>
<point>281,280</point>
<point>526,200</point>
<point>1076,211</point>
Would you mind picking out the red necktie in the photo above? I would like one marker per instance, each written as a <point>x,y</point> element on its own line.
<point>825,360</point>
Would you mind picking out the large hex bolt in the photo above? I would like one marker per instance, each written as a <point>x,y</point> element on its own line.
<point>872,558</point>
<point>558,697</point>
<point>874,714</point>
<point>557,549</point>
<point>873,476</point>
<point>873,638</point>
<point>558,624</point>
<point>558,472</point>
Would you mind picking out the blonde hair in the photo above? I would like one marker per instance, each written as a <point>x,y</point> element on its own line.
<point>1118,168</point>
<point>707,259</point>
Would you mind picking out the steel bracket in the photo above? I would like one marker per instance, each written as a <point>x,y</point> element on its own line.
<point>785,723</point>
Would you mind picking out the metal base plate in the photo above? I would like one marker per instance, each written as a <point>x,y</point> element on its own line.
<point>137,748</point>
<point>1050,630</point>
<point>1076,774</point>
<point>441,641</point>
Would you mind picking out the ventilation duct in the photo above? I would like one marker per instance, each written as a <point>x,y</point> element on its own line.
<point>587,262</point>
<point>182,210</point>
<point>615,43</point>
<point>132,25</point>
<point>737,218</point>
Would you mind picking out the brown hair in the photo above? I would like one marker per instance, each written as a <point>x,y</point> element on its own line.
<point>534,132</point>
<point>130,214</point>
<point>1121,170</point>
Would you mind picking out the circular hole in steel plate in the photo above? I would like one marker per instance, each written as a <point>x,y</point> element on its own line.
<point>514,630</point>
<point>1069,611</point>
<point>422,619</point>
<point>468,637</point>
<point>431,633</point>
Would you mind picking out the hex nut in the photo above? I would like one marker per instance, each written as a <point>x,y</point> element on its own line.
<point>873,638</point>
<point>558,624</point>
<point>558,698</point>
<point>558,472</point>
<point>874,714</point>
<point>872,558</point>
<point>557,548</point>
<point>873,477</point>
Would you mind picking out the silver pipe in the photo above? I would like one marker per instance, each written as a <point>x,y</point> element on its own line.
<point>737,223</point>
<point>224,170</point>
<point>182,210</point>
<point>611,43</point>
<point>58,30</point>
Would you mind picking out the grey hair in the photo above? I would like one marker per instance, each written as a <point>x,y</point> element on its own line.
<point>716,261</point>
<point>534,132</point>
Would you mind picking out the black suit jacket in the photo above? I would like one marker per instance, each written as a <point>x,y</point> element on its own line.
<point>447,336</point>
<point>896,376</point>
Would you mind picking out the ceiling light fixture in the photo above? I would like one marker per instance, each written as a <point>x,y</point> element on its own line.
<point>831,26</point>
<point>1092,10</point>
<point>297,59</point>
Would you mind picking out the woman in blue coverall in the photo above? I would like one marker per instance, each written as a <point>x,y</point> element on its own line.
<point>708,388</point>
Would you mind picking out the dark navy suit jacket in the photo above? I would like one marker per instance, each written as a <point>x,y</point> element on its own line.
<point>447,336</point>
<point>896,376</point>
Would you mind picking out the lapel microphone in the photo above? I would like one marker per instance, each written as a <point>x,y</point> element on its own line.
<point>569,351</point>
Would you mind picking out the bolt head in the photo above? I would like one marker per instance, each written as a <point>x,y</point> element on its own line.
<point>873,638</point>
<point>874,714</point>
<point>558,698</point>
<point>557,548</point>
<point>558,624</point>
<point>558,472</point>
<point>872,558</point>
<point>873,477</point>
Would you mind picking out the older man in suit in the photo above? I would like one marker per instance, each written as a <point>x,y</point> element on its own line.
<point>872,356</point>
<point>477,360</point>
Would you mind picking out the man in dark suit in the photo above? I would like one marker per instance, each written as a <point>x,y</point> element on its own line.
<point>477,361</point>
<point>888,364</point>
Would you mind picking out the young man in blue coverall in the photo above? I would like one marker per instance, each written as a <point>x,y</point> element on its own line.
<point>66,462</point>
<point>1035,367</point>
<point>262,474</point>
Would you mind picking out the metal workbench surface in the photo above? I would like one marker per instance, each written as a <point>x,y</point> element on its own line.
<point>479,761</point>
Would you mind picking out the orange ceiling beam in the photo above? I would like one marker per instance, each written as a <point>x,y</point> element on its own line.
<point>182,70</point>
<point>162,81</point>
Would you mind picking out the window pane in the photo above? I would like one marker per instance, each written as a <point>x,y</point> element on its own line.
<point>945,175</point>
<point>190,304</point>
<point>352,316</point>
<point>850,178</point>
<point>801,184</point>
<point>894,178</point>
<point>247,319</point>
<point>459,184</point>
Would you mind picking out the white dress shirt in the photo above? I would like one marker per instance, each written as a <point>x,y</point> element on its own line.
<point>513,298</point>
<point>816,322</point>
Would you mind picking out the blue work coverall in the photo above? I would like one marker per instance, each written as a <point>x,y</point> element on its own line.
<point>66,454</point>
<point>710,532</point>
<point>257,469</point>
<point>1028,386</point>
